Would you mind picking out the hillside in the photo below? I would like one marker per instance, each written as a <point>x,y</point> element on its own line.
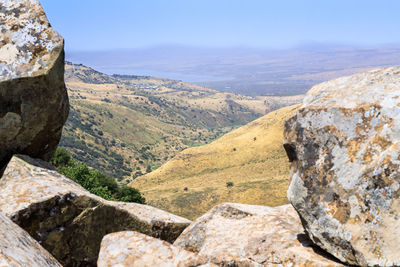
<point>247,165</point>
<point>127,126</point>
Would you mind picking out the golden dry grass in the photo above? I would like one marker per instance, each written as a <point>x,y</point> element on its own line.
<point>251,157</point>
<point>145,121</point>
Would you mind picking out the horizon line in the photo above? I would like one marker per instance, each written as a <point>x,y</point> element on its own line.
<point>264,48</point>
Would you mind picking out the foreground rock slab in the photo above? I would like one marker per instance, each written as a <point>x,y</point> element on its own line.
<point>344,145</point>
<point>18,248</point>
<point>246,235</point>
<point>33,99</point>
<point>67,220</point>
<point>132,249</point>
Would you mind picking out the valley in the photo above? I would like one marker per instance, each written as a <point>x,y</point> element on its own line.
<point>127,126</point>
<point>247,165</point>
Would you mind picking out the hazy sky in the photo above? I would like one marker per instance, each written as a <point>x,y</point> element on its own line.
<point>103,25</point>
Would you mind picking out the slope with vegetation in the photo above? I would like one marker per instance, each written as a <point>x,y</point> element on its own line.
<point>247,165</point>
<point>94,181</point>
<point>127,126</point>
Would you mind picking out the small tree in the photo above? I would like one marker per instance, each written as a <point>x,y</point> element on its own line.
<point>60,157</point>
<point>229,184</point>
<point>148,169</point>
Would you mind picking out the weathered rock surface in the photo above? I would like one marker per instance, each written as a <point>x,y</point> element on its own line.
<point>132,249</point>
<point>33,98</point>
<point>246,235</point>
<point>67,220</point>
<point>18,248</point>
<point>344,144</point>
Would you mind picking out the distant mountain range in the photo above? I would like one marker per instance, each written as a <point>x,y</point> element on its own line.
<point>243,70</point>
<point>127,126</point>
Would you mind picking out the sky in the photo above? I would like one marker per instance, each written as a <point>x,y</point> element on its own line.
<point>95,25</point>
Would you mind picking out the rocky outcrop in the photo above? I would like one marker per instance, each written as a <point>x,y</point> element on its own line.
<point>69,221</point>
<point>246,235</point>
<point>18,248</point>
<point>344,145</point>
<point>132,249</point>
<point>33,98</point>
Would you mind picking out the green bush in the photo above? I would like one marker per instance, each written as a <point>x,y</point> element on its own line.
<point>94,181</point>
<point>229,184</point>
<point>60,158</point>
<point>148,169</point>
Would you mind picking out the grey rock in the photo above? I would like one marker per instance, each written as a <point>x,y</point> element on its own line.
<point>133,249</point>
<point>67,220</point>
<point>33,98</point>
<point>248,235</point>
<point>345,183</point>
<point>18,248</point>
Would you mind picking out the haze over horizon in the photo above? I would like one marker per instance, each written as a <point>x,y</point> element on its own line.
<point>248,47</point>
<point>100,25</point>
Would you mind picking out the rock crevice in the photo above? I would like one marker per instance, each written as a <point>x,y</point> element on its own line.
<point>69,221</point>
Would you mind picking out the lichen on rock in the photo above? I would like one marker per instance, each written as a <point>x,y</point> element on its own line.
<point>345,176</point>
<point>28,44</point>
<point>33,98</point>
<point>248,235</point>
<point>67,220</point>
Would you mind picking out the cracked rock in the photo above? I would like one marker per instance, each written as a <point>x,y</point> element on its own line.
<point>66,219</point>
<point>345,181</point>
<point>247,235</point>
<point>18,248</point>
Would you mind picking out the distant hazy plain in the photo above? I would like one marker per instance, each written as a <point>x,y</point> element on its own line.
<point>244,70</point>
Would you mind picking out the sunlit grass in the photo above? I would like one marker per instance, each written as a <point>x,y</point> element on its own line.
<point>251,157</point>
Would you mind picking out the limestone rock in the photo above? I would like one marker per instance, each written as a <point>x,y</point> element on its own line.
<point>132,249</point>
<point>246,235</point>
<point>67,220</point>
<point>18,248</point>
<point>344,145</point>
<point>33,99</point>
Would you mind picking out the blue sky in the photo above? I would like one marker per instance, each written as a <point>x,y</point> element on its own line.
<point>124,24</point>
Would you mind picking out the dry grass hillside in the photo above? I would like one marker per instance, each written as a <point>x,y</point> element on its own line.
<point>247,165</point>
<point>127,126</point>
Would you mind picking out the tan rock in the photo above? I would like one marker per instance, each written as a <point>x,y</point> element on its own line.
<point>132,249</point>
<point>33,99</point>
<point>69,221</point>
<point>246,235</point>
<point>344,144</point>
<point>18,248</point>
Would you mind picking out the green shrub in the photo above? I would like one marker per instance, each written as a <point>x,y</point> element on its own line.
<point>229,184</point>
<point>94,181</point>
<point>60,158</point>
<point>148,169</point>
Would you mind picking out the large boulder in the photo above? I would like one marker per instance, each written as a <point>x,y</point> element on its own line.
<point>67,220</point>
<point>33,98</point>
<point>132,249</point>
<point>18,248</point>
<point>345,180</point>
<point>246,235</point>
